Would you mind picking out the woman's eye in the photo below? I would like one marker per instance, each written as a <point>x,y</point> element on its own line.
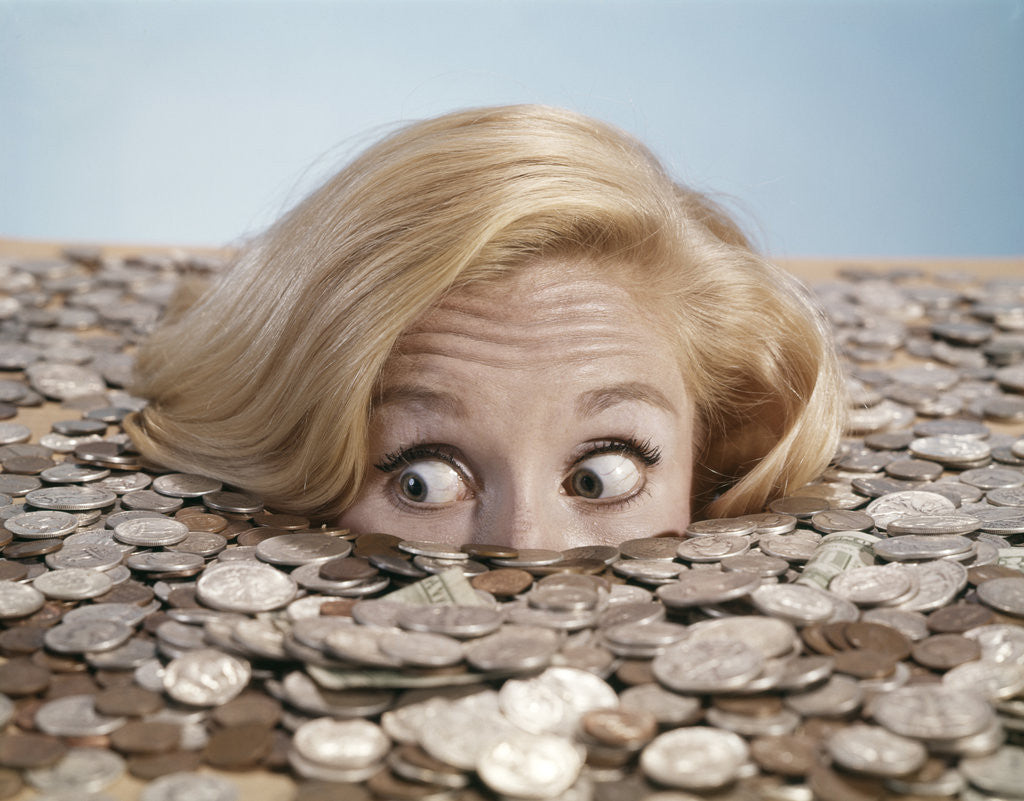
<point>607,475</point>
<point>431,481</point>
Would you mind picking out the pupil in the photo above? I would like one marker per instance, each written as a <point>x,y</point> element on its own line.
<point>587,484</point>
<point>413,487</point>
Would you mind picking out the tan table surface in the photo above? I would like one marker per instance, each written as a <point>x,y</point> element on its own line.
<point>265,786</point>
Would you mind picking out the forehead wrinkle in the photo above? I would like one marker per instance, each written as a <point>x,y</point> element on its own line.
<point>595,401</point>
<point>427,398</point>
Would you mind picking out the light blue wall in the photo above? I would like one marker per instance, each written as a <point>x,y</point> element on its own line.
<point>878,127</point>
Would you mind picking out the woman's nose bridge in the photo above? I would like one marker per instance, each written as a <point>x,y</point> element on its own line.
<point>521,515</point>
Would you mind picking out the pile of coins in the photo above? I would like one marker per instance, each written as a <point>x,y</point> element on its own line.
<point>863,638</point>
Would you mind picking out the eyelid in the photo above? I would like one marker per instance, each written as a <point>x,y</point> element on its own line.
<point>403,457</point>
<point>643,450</point>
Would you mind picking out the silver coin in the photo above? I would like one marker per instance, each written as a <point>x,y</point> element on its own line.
<point>420,649</point>
<point>938,583</point>
<point>797,546</point>
<point>300,548</point>
<point>705,587</point>
<point>126,482</point>
<point>875,751</point>
<point>1003,594</point>
<point>707,666</point>
<point>341,743</point>
<point>150,532</point>
<point>18,486</point>
<point>128,614</point>
<point>770,523</point>
<point>247,587</point>
<point>451,620</point>
<point>93,557</point>
<point>1006,497</point>
<point>185,485</point>
<point>997,774</point>
<point>11,433</point>
<point>193,786</point>
<point>436,550</point>
<point>932,712</point>
<point>70,499</point>
<point>910,503</point>
<point>951,451</point>
<point>80,770</point>
<point>530,557</point>
<point>148,500</point>
<point>41,525</point>
<point>992,478</point>
<point>19,600</point>
<point>89,635</point>
<point>794,602</point>
<point>950,524</point>
<point>513,648</point>
<point>235,502</point>
<point>838,696</point>
<point>712,548</point>
<point>916,546</point>
<point>72,584</point>
<point>670,709</point>
<point>649,571</point>
<point>165,562</point>
<point>205,677</point>
<point>694,758</point>
<point>74,716</point>
<point>523,765</point>
<point>873,585</point>
<point>71,473</point>
<point>200,543</point>
<point>773,637</point>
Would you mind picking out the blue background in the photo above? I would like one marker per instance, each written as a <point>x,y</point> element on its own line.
<point>834,127</point>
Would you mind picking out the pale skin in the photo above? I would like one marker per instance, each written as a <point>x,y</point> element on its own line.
<point>542,411</point>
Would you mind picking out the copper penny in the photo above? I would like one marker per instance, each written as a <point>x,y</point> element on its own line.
<point>317,790</point>
<point>786,754</point>
<point>835,634</point>
<point>238,747</point>
<point>127,702</point>
<point>280,520</point>
<point>620,728</point>
<point>814,638</point>
<point>5,536</point>
<point>958,618</point>
<point>878,637</point>
<point>64,684</point>
<point>504,582</point>
<point>25,713</point>
<point>864,663</point>
<point>483,550</point>
<point>754,706</point>
<point>347,568</point>
<point>828,784</point>
<point>945,651</point>
<point>369,544</point>
<point>58,663</point>
<point>12,571</point>
<point>127,592</point>
<point>338,607</point>
<point>153,766</point>
<point>183,598</point>
<point>248,708</point>
<point>23,677</point>
<point>27,465</point>
<point>635,671</point>
<point>30,750</point>
<point>254,536</point>
<point>50,614</point>
<point>202,521</point>
<point>154,737</point>
<point>21,640</point>
<point>110,678</point>
<point>10,783</point>
<point>23,549</point>
<point>233,529</point>
<point>982,573</point>
<point>387,785</point>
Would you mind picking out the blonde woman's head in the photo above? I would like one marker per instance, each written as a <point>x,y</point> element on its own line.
<point>306,374</point>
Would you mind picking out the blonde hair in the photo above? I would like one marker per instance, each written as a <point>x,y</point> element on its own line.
<point>268,380</point>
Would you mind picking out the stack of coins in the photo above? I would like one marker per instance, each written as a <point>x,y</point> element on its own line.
<point>860,638</point>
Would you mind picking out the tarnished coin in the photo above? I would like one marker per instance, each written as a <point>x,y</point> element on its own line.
<point>150,532</point>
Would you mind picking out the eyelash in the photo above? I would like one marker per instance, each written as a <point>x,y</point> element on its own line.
<point>644,450</point>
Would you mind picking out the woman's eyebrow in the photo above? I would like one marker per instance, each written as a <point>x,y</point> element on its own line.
<point>427,398</point>
<point>594,401</point>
